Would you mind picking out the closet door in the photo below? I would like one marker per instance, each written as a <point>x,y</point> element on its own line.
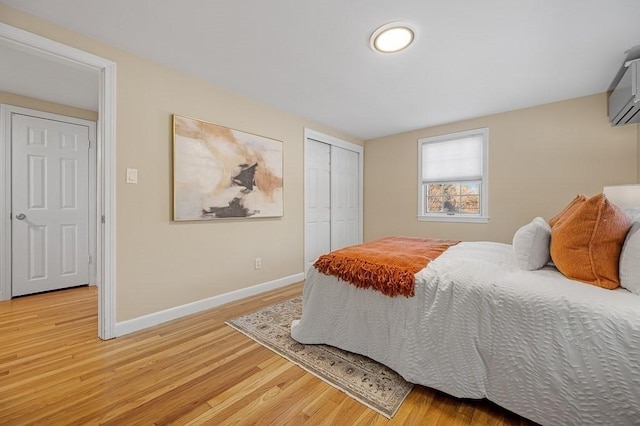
<point>333,192</point>
<point>317,200</point>
<point>345,200</point>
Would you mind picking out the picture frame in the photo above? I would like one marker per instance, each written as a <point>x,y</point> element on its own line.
<point>223,173</point>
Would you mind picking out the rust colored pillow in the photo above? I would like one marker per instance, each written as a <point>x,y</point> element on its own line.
<point>586,244</point>
<point>566,212</point>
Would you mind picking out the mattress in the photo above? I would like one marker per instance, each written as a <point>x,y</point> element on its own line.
<point>553,350</point>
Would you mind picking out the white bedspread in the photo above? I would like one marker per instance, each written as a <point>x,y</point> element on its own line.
<point>548,348</point>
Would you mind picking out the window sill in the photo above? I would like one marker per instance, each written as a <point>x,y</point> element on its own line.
<point>454,218</point>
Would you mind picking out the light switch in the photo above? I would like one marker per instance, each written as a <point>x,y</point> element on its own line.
<point>132,175</point>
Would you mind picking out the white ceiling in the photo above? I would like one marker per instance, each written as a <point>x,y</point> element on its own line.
<point>311,58</point>
<point>45,77</point>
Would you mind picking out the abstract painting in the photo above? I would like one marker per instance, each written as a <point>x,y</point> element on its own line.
<point>224,173</point>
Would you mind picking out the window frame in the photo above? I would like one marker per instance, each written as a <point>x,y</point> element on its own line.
<point>483,216</point>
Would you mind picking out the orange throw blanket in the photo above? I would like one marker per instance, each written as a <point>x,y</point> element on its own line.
<point>387,265</point>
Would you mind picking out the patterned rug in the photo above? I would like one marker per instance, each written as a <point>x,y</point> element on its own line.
<point>363,379</point>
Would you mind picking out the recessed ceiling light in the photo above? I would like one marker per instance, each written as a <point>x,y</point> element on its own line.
<point>392,37</point>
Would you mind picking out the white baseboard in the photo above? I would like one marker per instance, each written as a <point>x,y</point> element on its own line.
<point>145,321</point>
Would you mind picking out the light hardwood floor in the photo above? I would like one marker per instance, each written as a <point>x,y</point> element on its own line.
<point>194,370</point>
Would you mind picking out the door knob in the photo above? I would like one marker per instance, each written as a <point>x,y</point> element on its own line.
<point>21,216</point>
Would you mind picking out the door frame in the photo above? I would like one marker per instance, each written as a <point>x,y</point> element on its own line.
<point>105,200</point>
<point>6,113</point>
<point>310,134</point>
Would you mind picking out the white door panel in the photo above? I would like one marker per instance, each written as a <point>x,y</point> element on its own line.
<point>318,200</point>
<point>332,199</point>
<point>344,200</point>
<point>50,206</point>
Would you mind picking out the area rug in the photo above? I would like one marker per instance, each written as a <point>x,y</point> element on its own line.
<point>363,379</point>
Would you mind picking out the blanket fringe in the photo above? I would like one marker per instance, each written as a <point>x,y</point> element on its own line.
<point>388,280</point>
<point>387,265</point>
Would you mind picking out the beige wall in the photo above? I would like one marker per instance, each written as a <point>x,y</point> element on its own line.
<point>638,162</point>
<point>161,264</point>
<point>40,105</point>
<point>539,158</point>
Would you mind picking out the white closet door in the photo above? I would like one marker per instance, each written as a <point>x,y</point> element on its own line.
<point>317,200</point>
<point>345,202</point>
<point>333,195</point>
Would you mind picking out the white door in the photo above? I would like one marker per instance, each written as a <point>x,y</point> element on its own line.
<point>333,195</point>
<point>345,200</point>
<point>50,206</point>
<point>317,200</point>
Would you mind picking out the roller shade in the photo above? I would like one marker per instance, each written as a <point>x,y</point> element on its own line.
<point>452,160</point>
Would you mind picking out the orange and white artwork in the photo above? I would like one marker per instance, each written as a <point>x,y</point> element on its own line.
<point>224,173</point>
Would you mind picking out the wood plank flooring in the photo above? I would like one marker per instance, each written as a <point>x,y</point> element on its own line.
<point>191,371</point>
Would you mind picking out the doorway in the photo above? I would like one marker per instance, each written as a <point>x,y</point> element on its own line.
<point>333,194</point>
<point>105,170</point>
<point>52,210</point>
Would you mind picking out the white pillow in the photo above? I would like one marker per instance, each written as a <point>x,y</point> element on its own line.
<point>531,244</point>
<point>630,260</point>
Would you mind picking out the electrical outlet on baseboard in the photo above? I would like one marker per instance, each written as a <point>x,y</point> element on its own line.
<point>258,263</point>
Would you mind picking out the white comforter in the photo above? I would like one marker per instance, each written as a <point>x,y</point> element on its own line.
<point>548,348</point>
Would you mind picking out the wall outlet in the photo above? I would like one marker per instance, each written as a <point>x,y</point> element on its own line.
<point>257,263</point>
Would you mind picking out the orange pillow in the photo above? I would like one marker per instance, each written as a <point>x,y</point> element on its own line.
<point>566,212</point>
<point>586,244</point>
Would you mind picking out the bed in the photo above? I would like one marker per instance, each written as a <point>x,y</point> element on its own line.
<point>546,347</point>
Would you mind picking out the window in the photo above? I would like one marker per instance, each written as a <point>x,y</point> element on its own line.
<point>452,175</point>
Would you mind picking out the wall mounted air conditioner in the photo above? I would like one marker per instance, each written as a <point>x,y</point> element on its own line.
<point>624,99</point>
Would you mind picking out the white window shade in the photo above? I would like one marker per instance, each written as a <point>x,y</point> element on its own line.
<point>457,159</point>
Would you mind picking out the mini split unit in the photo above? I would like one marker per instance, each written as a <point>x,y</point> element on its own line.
<point>624,95</point>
